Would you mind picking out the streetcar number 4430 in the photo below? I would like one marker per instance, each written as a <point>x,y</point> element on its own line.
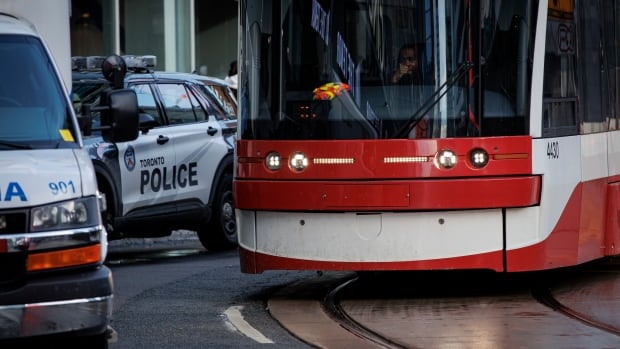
<point>553,150</point>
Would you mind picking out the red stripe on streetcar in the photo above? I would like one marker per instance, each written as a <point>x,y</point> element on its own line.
<point>422,194</point>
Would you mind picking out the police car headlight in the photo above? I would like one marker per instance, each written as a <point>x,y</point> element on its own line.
<point>76,213</point>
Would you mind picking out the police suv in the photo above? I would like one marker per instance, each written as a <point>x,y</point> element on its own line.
<point>178,173</point>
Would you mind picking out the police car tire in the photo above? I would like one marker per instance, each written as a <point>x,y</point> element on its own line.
<point>221,232</point>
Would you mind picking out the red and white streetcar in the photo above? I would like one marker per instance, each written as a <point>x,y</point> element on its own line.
<point>428,134</point>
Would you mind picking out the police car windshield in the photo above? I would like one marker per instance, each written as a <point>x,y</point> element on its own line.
<point>33,109</point>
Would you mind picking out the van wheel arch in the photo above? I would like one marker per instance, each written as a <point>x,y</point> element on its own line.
<point>106,186</point>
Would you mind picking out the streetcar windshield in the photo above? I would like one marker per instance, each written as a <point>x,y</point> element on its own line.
<point>368,69</point>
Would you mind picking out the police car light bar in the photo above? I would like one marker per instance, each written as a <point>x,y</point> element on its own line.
<point>94,62</point>
<point>78,63</point>
<point>86,63</point>
<point>140,62</point>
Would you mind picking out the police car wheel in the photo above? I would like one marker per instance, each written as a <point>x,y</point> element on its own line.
<point>221,232</point>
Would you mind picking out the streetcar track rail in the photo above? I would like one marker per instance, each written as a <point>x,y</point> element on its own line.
<point>355,310</point>
<point>540,292</point>
<point>331,306</point>
<point>543,295</point>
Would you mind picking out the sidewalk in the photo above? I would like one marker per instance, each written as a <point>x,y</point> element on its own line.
<point>178,239</point>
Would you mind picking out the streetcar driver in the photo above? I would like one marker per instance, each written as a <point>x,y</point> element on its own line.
<point>407,95</point>
<point>407,72</point>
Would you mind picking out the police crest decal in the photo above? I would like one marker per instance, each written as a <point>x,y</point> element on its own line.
<point>130,158</point>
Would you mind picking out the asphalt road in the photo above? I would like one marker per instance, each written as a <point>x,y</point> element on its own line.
<point>171,293</point>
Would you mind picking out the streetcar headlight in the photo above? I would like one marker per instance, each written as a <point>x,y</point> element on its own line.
<point>445,159</point>
<point>298,161</point>
<point>273,161</point>
<point>478,158</point>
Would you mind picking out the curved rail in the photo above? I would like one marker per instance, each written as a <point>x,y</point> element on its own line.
<point>331,306</point>
<point>543,295</point>
<point>539,289</point>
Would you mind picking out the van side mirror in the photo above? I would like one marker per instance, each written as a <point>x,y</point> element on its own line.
<point>118,106</point>
<point>120,116</point>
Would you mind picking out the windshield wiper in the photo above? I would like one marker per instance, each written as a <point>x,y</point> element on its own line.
<point>14,145</point>
<point>430,103</point>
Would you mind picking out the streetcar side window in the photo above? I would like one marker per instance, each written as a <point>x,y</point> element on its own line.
<point>581,93</point>
<point>559,87</point>
<point>590,64</point>
<point>611,71</point>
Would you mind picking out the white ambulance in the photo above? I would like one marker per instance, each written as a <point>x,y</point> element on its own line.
<point>53,283</point>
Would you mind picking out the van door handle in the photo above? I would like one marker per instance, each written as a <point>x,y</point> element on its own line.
<point>211,131</point>
<point>162,139</point>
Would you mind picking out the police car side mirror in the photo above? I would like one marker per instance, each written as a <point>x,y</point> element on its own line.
<point>119,115</point>
<point>147,122</point>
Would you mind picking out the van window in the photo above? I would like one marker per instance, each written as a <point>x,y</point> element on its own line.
<point>34,112</point>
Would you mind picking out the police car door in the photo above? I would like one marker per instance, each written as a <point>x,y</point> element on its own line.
<point>147,164</point>
<point>198,141</point>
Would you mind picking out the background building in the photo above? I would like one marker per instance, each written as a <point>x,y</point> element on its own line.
<point>185,35</point>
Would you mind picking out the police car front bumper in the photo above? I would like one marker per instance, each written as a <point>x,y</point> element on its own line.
<point>79,302</point>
